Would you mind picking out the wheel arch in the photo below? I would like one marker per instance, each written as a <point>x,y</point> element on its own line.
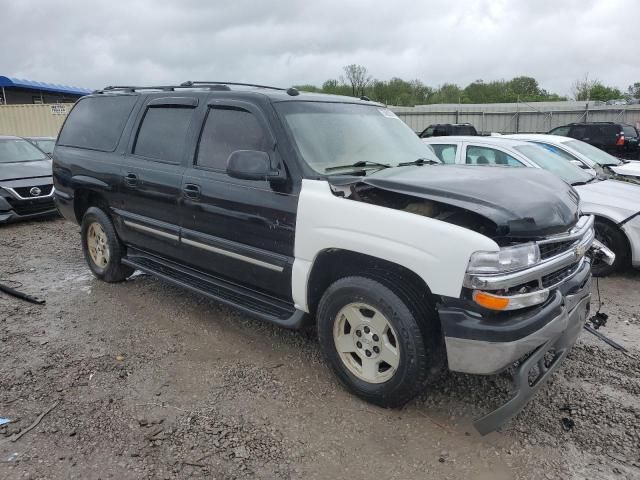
<point>616,225</point>
<point>84,198</point>
<point>332,264</point>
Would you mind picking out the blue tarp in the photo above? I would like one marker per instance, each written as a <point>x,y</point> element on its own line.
<point>8,82</point>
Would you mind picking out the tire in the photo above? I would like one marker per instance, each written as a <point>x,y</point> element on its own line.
<point>367,303</point>
<point>616,241</point>
<point>99,235</point>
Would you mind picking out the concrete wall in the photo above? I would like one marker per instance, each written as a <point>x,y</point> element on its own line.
<point>516,118</point>
<point>33,120</point>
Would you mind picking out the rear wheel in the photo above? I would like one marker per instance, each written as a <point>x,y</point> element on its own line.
<point>373,341</point>
<point>102,248</point>
<point>614,239</point>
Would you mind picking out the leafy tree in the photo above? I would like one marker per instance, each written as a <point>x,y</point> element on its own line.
<point>447,93</point>
<point>603,93</point>
<point>587,89</point>
<point>398,91</point>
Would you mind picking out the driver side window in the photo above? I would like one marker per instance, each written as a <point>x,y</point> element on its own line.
<point>225,131</point>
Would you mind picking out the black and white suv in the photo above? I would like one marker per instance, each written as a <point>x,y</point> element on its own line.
<point>298,207</point>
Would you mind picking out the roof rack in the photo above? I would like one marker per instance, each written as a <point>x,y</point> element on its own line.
<point>191,84</point>
<point>211,85</point>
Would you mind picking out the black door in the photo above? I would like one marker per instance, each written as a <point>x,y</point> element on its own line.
<point>152,176</point>
<point>239,230</point>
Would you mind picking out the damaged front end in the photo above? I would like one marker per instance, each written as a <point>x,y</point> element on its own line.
<point>521,307</point>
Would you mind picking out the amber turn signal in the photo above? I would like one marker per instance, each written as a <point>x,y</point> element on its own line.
<point>492,302</point>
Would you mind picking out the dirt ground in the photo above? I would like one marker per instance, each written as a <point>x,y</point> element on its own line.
<point>149,381</point>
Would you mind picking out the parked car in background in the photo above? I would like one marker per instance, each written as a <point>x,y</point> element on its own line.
<point>26,185</point>
<point>45,144</point>
<point>296,207</point>
<point>615,204</point>
<point>618,139</point>
<point>586,156</point>
<point>447,129</point>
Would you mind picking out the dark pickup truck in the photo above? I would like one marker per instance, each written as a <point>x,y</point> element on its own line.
<point>298,208</point>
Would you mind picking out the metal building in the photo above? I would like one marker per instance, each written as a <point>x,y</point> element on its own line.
<point>17,91</point>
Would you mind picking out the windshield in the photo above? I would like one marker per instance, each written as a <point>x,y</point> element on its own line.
<point>592,153</point>
<point>46,145</point>
<point>555,164</point>
<point>18,150</point>
<point>332,135</point>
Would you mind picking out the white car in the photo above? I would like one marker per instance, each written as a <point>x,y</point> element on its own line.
<point>615,204</point>
<point>585,156</point>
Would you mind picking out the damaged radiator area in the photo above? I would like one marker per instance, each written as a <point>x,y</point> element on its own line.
<point>423,207</point>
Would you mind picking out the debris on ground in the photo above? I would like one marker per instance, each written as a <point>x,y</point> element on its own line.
<point>242,399</point>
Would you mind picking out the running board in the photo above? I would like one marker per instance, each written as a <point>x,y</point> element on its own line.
<point>249,301</point>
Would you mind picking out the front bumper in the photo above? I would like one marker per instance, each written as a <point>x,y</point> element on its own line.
<point>14,209</point>
<point>487,346</point>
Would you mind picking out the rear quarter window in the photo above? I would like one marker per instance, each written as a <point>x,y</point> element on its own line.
<point>96,123</point>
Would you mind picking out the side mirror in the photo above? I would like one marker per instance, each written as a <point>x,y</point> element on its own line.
<point>251,165</point>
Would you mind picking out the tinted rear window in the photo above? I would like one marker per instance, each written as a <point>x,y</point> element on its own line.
<point>96,123</point>
<point>466,130</point>
<point>163,133</point>
<point>629,131</point>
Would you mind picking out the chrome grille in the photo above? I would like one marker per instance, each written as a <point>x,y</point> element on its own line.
<point>25,192</point>
<point>562,274</point>
<point>548,250</point>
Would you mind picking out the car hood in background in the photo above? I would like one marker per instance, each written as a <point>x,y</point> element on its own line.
<point>630,169</point>
<point>20,170</point>
<point>522,202</point>
<point>612,198</point>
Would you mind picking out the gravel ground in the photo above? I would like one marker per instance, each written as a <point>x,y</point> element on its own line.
<point>149,381</point>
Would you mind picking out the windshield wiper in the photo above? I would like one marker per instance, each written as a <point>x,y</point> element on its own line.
<point>360,163</point>
<point>420,161</point>
<point>584,182</point>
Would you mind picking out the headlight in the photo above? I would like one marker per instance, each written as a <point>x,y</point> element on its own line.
<point>507,259</point>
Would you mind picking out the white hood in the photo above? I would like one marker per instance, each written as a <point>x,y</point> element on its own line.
<point>630,169</point>
<point>610,198</point>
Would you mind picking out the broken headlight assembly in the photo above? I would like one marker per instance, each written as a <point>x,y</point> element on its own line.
<point>507,259</point>
<point>504,261</point>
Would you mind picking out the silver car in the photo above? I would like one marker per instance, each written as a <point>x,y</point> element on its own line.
<point>615,204</point>
<point>586,156</point>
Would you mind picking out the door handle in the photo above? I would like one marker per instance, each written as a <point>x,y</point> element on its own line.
<point>191,190</point>
<point>131,179</point>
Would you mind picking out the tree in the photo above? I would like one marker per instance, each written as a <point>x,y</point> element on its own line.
<point>603,93</point>
<point>358,77</point>
<point>447,93</point>
<point>581,89</point>
<point>307,88</point>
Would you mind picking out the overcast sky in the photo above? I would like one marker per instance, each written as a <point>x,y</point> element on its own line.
<point>285,42</point>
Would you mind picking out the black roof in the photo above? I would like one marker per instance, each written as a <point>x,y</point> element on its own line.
<point>276,94</point>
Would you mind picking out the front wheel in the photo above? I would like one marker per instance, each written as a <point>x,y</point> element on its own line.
<point>102,248</point>
<point>373,341</point>
<point>614,239</point>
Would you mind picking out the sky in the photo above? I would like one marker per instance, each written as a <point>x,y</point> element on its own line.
<point>286,42</point>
